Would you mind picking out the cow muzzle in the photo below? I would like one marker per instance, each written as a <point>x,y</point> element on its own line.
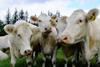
<point>65,40</point>
<point>28,52</point>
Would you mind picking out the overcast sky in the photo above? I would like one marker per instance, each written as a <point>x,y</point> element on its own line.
<point>66,7</point>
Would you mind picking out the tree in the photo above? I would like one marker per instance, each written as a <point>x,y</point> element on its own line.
<point>26,16</point>
<point>2,32</point>
<point>57,13</point>
<point>1,22</point>
<point>8,17</point>
<point>21,15</point>
<point>15,16</point>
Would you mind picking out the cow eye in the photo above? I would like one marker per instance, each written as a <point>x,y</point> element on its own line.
<point>80,21</point>
<point>40,20</point>
<point>56,20</point>
<point>19,35</point>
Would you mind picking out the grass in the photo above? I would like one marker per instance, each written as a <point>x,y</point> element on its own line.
<point>21,61</point>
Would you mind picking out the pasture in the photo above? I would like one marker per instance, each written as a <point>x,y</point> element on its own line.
<point>60,61</point>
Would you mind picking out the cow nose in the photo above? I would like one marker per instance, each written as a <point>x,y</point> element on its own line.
<point>65,38</point>
<point>45,28</point>
<point>28,52</point>
<point>62,39</point>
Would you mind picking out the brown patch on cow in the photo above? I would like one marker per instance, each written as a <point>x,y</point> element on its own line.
<point>53,21</point>
<point>11,65</point>
<point>91,42</point>
<point>53,17</point>
<point>34,18</point>
<point>49,40</point>
<point>63,19</point>
<point>69,50</point>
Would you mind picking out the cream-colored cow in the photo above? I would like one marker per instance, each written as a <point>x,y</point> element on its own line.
<point>19,36</point>
<point>4,44</point>
<point>82,26</point>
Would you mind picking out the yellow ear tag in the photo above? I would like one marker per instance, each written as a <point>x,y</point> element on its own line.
<point>92,18</point>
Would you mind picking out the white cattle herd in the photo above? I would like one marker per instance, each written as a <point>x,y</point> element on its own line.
<point>46,32</point>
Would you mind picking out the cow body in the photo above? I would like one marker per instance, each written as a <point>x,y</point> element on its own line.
<point>19,38</point>
<point>83,27</point>
<point>4,44</point>
<point>45,40</point>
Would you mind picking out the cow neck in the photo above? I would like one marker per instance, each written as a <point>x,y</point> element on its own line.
<point>87,36</point>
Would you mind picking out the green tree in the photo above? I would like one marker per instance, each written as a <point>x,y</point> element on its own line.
<point>26,16</point>
<point>21,15</point>
<point>15,16</point>
<point>8,17</point>
<point>2,32</point>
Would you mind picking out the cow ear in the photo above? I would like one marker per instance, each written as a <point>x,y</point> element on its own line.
<point>35,30</point>
<point>92,14</point>
<point>53,17</point>
<point>9,28</point>
<point>63,18</point>
<point>34,18</point>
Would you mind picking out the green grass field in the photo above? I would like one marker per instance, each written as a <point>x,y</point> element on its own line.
<point>21,61</point>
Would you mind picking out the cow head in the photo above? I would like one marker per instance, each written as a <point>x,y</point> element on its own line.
<point>20,34</point>
<point>49,35</point>
<point>76,28</point>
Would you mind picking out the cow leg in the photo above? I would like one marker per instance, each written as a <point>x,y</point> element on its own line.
<point>66,60</point>
<point>44,60</point>
<point>13,58</point>
<point>54,57</point>
<point>34,58</point>
<point>29,61</point>
<point>98,62</point>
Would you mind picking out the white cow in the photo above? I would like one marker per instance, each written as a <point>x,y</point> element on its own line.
<point>46,37</point>
<point>61,24</point>
<point>48,40</point>
<point>4,43</point>
<point>82,26</point>
<point>19,35</point>
<point>3,55</point>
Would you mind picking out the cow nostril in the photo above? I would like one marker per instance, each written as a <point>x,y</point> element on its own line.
<point>65,38</point>
<point>45,28</point>
<point>25,52</point>
<point>28,52</point>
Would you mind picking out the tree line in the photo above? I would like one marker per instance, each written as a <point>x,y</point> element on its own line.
<point>11,19</point>
<point>16,16</point>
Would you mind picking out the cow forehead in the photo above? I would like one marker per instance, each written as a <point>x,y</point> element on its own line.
<point>24,30</point>
<point>78,14</point>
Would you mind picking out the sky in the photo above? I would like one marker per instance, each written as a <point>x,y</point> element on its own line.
<point>65,7</point>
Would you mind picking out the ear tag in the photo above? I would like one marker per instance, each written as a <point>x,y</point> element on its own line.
<point>92,18</point>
